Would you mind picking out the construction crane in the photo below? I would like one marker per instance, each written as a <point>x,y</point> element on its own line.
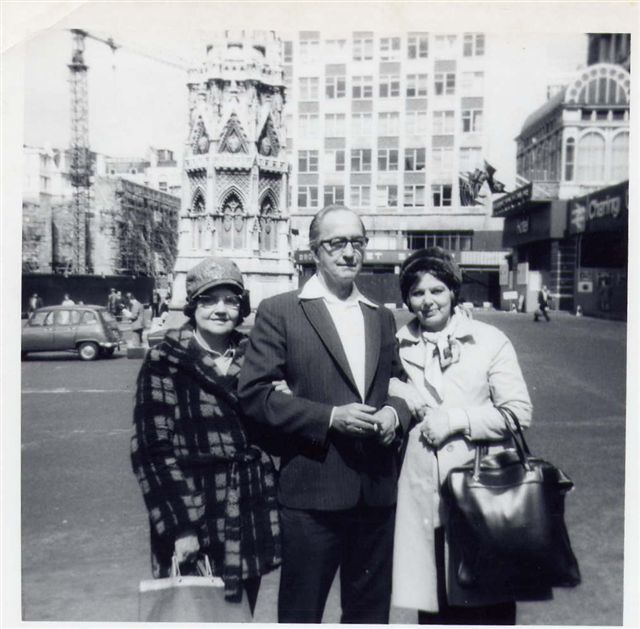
<point>80,163</point>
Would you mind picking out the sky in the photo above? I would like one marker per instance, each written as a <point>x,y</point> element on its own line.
<point>136,102</point>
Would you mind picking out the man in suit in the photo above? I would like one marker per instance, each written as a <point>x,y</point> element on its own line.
<point>136,317</point>
<point>337,430</point>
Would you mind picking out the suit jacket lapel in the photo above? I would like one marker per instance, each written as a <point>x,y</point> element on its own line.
<point>322,323</point>
<point>373,338</point>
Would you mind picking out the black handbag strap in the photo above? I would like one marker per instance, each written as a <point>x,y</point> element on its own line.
<point>517,435</point>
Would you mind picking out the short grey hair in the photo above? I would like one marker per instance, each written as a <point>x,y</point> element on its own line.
<point>316,222</point>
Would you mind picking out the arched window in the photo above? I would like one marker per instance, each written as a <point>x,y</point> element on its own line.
<point>591,158</point>
<point>197,222</point>
<point>620,157</point>
<point>197,204</point>
<point>268,234</point>
<point>232,234</point>
<point>569,159</point>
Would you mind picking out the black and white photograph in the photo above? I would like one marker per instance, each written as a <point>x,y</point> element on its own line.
<point>319,313</point>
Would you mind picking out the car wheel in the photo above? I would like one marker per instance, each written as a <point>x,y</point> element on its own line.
<point>88,351</point>
<point>107,351</point>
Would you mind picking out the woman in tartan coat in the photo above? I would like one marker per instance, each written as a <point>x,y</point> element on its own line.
<point>207,488</point>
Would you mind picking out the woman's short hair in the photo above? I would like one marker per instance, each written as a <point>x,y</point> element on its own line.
<point>436,261</point>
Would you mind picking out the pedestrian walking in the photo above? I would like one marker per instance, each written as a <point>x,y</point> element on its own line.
<point>155,303</point>
<point>208,488</point>
<point>112,302</point>
<point>67,301</point>
<point>35,302</point>
<point>459,371</point>
<point>544,299</point>
<point>119,302</point>
<point>337,428</point>
<point>136,316</point>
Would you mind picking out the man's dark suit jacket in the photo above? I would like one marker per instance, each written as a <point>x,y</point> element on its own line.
<point>296,340</point>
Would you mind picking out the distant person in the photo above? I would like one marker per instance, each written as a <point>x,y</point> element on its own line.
<point>112,302</point>
<point>35,302</point>
<point>208,488</point>
<point>67,301</point>
<point>119,305</point>
<point>136,316</point>
<point>544,298</point>
<point>155,303</point>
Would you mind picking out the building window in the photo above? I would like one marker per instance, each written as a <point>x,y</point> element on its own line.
<point>445,45</point>
<point>452,241</point>
<point>309,50</point>
<point>417,46</point>
<point>335,125</point>
<point>308,161</point>
<point>232,234</point>
<point>335,160</point>
<point>472,83</point>
<point>414,159</point>
<point>471,120</point>
<point>389,85</point>
<point>387,196</point>
<point>416,123</point>
<point>363,48</point>
<point>360,160</point>
<point>336,86</point>
<point>442,158</point>
<point>414,196</point>
<point>288,52</point>
<point>416,85</point>
<point>268,233</point>
<point>362,87</point>
<point>361,125</point>
<point>387,159</point>
<point>620,157</point>
<point>389,48</point>
<point>441,194</point>
<point>335,47</point>
<point>307,196</point>
<point>388,123</point>
<point>360,196</point>
<point>309,125</point>
<point>443,122</point>
<point>162,185</point>
<point>470,158</point>
<point>445,83</point>
<point>591,158</point>
<point>473,45</point>
<point>333,195</point>
<point>308,88</point>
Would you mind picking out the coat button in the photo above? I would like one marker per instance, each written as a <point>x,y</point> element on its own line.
<point>450,448</point>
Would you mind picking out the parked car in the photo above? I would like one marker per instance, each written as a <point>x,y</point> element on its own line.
<point>90,330</point>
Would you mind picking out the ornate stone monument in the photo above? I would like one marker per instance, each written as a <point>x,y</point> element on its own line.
<point>235,179</point>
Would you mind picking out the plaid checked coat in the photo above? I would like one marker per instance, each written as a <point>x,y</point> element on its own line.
<point>196,466</point>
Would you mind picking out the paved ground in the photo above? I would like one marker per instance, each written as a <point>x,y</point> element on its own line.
<point>84,529</point>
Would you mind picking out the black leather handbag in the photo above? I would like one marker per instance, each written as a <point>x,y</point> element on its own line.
<point>506,519</point>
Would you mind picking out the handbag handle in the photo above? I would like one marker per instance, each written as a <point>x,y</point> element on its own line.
<point>518,439</point>
<point>203,563</point>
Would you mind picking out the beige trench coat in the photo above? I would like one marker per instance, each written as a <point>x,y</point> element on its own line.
<point>487,375</point>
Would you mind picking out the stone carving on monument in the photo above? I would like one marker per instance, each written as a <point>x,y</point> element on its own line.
<point>235,169</point>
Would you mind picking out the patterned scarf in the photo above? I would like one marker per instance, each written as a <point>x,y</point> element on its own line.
<point>442,349</point>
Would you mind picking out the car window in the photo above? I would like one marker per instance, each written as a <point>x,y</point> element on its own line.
<point>62,317</point>
<point>75,317</point>
<point>89,317</point>
<point>39,317</point>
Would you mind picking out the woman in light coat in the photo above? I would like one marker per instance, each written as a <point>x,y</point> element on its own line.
<point>458,372</point>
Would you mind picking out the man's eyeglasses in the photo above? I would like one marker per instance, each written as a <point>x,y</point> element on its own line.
<point>336,245</point>
<point>209,301</point>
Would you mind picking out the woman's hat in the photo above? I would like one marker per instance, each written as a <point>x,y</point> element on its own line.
<point>434,260</point>
<point>212,272</point>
